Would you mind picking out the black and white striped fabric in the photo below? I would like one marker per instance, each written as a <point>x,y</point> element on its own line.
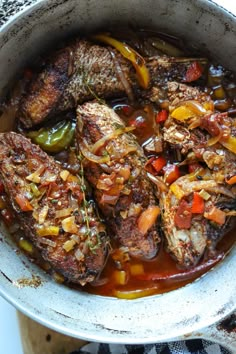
<point>195,346</point>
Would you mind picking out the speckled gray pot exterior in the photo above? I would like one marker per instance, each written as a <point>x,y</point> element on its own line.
<point>188,312</point>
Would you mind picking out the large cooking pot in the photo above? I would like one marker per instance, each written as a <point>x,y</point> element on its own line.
<point>187,312</point>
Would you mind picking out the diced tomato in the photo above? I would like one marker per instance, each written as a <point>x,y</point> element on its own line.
<point>193,167</point>
<point>162,116</point>
<point>1,187</point>
<point>7,216</point>
<point>158,163</point>
<point>183,216</point>
<point>194,72</point>
<point>172,173</point>
<point>138,122</point>
<point>198,204</point>
<point>23,203</point>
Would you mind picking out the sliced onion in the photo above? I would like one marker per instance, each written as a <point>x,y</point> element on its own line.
<point>195,106</point>
<point>35,176</point>
<point>214,139</point>
<point>101,142</point>
<point>79,255</point>
<point>92,157</point>
<point>122,78</point>
<point>158,182</point>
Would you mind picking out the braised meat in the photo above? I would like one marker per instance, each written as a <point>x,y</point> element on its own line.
<point>52,210</point>
<point>186,217</point>
<point>84,70</point>
<point>116,172</point>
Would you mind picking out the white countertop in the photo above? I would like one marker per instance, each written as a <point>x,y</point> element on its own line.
<point>10,342</point>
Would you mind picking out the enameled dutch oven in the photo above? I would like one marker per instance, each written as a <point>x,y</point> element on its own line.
<point>195,310</point>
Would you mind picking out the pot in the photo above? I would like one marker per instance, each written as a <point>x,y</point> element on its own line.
<point>190,312</point>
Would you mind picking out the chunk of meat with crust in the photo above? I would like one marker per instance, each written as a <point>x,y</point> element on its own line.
<point>82,71</point>
<point>122,189</point>
<point>39,190</point>
<point>187,245</point>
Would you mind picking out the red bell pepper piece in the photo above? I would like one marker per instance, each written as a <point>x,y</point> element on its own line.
<point>198,204</point>
<point>194,72</point>
<point>162,116</point>
<point>172,173</point>
<point>158,163</point>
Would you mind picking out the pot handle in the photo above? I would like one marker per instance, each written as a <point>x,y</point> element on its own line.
<point>223,333</point>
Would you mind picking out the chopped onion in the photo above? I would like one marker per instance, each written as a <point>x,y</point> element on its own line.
<point>109,199</point>
<point>62,213</point>
<point>69,245</point>
<point>134,209</point>
<point>43,214</point>
<point>69,225</point>
<point>48,231</point>
<point>47,242</point>
<point>76,238</point>
<point>124,172</point>
<point>64,175</point>
<point>79,255</point>
<point>204,194</point>
<point>35,176</point>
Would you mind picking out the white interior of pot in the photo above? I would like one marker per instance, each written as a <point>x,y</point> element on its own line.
<point>146,320</point>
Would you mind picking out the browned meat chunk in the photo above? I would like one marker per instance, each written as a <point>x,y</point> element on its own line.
<point>82,71</point>
<point>122,189</point>
<point>52,210</point>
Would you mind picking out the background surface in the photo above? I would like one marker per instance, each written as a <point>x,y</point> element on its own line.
<point>9,332</point>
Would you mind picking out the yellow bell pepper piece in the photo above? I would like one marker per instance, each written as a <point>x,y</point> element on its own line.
<point>134,294</point>
<point>130,54</point>
<point>229,144</point>
<point>183,113</point>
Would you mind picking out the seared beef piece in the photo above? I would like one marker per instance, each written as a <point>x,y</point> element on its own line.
<point>38,188</point>
<point>84,70</point>
<point>122,189</point>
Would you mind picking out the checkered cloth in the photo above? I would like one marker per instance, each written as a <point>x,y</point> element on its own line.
<point>196,346</point>
<point>7,9</point>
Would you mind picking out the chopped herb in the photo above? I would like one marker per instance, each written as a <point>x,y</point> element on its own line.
<point>54,201</point>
